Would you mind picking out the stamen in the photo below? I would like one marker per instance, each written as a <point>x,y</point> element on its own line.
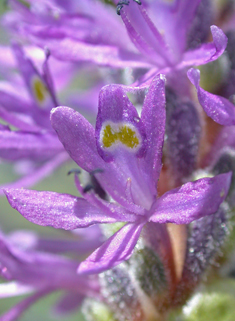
<point>88,188</point>
<point>40,90</point>
<point>47,52</point>
<point>74,171</point>
<point>125,2</point>
<point>96,185</point>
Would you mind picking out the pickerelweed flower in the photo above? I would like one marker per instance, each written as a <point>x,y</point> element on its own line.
<point>26,104</point>
<point>124,153</point>
<point>156,174</point>
<point>156,29</point>
<point>28,264</point>
<point>163,41</point>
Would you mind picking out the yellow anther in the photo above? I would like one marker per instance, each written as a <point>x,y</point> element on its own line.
<point>123,133</point>
<point>40,90</point>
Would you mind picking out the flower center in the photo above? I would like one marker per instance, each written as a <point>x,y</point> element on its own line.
<point>112,134</point>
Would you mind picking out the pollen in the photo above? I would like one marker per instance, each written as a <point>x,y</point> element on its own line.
<point>123,134</point>
<point>40,90</point>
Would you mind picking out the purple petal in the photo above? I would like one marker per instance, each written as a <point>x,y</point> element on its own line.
<point>168,17</point>
<point>116,249</point>
<point>16,145</point>
<point>192,200</point>
<point>154,117</point>
<point>14,101</point>
<point>58,210</point>
<point>218,108</point>
<point>73,50</point>
<point>115,108</point>
<point>38,270</point>
<point>182,14</point>
<point>78,137</point>
<point>23,123</point>
<point>206,52</point>
<point>80,36</point>
<point>6,57</point>
<point>116,116</point>
<point>81,244</point>
<point>38,86</point>
<point>144,35</point>
<point>106,206</point>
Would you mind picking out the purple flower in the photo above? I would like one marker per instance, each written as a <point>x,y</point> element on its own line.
<point>124,154</point>
<point>163,37</point>
<point>27,270</point>
<point>25,103</point>
<point>159,33</point>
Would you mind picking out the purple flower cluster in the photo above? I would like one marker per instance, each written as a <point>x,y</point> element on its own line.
<point>155,168</point>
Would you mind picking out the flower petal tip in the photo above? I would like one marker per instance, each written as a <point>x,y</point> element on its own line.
<point>86,268</point>
<point>194,76</point>
<point>219,38</point>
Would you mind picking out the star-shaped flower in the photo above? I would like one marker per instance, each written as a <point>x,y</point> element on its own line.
<point>126,149</point>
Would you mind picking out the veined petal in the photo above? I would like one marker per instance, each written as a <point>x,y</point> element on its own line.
<point>68,49</point>
<point>116,249</point>
<point>58,210</point>
<point>206,52</point>
<point>78,137</point>
<point>144,34</point>
<point>220,109</point>
<point>154,117</point>
<point>192,200</point>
